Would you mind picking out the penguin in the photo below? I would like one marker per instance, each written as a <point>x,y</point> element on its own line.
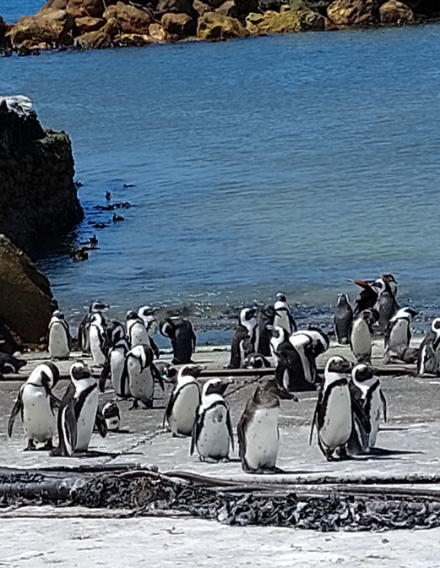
<point>291,373</point>
<point>10,364</point>
<point>408,355</point>
<point>332,415</point>
<point>256,361</point>
<point>7,342</point>
<point>59,337</point>
<point>212,433</point>
<point>257,430</point>
<point>112,416</point>
<point>310,343</point>
<point>115,361</point>
<point>278,336</point>
<point>183,339</point>
<point>266,317</point>
<point>283,317</point>
<point>379,294</point>
<point>167,371</point>
<point>98,340</point>
<point>184,400</point>
<point>36,405</point>
<point>398,331</point>
<point>244,338</point>
<point>360,337</point>
<point>147,313</point>
<point>136,330</point>
<point>429,356</point>
<point>139,374</point>
<point>343,319</point>
<point>78,413</point>
<point>95,307</point>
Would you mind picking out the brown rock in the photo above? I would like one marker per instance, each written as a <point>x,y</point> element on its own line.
<point>86,24</point>
<point>175,7</point>
<point>200,7</point>
<point>215,27</point>
<point>26,301</point>
<point>395,12</point>
<point>90,8</point>
<point>53,5</point>
<point>48,30</point>
<point>133,40</point>
<point>132,20</point>
<point>285,22</point>
<point>178,26</point>
<point>100,39</point>
<point>352,12</point>
<point>237,8</point>
<point>157,33</point>
<point>228,8</point>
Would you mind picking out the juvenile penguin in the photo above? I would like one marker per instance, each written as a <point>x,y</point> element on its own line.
<point>140,373</point>
<point>78,413</point>
<point>257,430</point>
<point>98,340</point>
<point>112,416</point>
<point>398,331</point>
<point>95,307</point>
<point>183,339</point>
<point>115,362</point>
<point>266,318</point>
<point>333,410</point>
<point>184,400</point>
<point>283,317</point>
<point>244,337</point>
<point>428,360</point>
<point>360,337</point>
<point>343,319</point>
<point>36,403</point>
<point>59,336</point>
<point>212,433</point>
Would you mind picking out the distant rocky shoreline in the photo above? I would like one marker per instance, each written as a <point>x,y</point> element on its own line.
<point>98,24</point>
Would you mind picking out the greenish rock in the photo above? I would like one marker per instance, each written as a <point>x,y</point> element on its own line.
<point>216,27</point>
<point>102,38</point>
<point>286,22</point>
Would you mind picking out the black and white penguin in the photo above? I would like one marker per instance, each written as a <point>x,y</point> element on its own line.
<point>112,416</point>
<point>184,400</point>
<point>183,339</point>
<point>256,361</point>
<point>360,337</point>
<point>10,364</point>
<point>429,351</point>
<point>96,307</point>
<point>78,413</point>
<point>283,316</point>
<point>139,375</point>
<point>243,342</point>
<point>257,430</point>
<point>398,331</point>
<point>266,318</point>
<point>59,336</point>
<point>332,416</point>
<point>278,336</point>
<point>135,330</point>
<point>310,343</point>
<point>343,319</point>
<point>98,342</point>
<point>115,362</point>
<point>36,403</point>
<point>212,434</point>
<point>379,294</point>
<point>7,342</point>
<point>147,313</point>
<point>291,372</point>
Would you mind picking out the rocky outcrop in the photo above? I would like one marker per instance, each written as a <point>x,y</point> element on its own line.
<point>178,26</point>
<point>356,13</point>
<point>395,12</point>
<point>215,27</point>
<point>130,19</point>
<point>287,21</point>
<point>46,30</point>
<point>102,38</point>
<point>26,301</point>
<point>38,196</point>
<point>175,7</point>
<point>87,24</point>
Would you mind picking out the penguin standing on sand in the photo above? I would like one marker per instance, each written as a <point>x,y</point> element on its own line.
<point>95,307</point>
<point>360,337</point>
<point>283,317</point>
<point>115,362</point>
<point>36,403</point>
<point>184,400</point>
<point>78,413</point>
<point>398,331</point>
<point>258,432</point>
<point>310,343</point>
<point>183,339</point>
<point>290,371</point>
<point>263,336</point>
<point>147,313</point>
<point>212,433</point>
<point>429,359</point>
<point>59,336</point>
<point>343,319</point>
<point>98,340</point>
<point>332,416</point>
<point>136,330</point>
<point>139,374</point>
<point>244,338</point>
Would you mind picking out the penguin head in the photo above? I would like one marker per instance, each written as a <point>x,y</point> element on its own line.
<point>256,361</point>
<point>277,332</point>
<point>115,332</point>
<point>435,326</point>
<point>147,311</point>
<point>98,306</point>
<point>280,297</point>
<point>131,315</point>
<point>370,315</point>
<point>58,314</point>
<point>338,364</point>
<point>362,373</point>
<point>405,313</point>
<point>111,410</point>
<point>167,328</point>
<point>216,386</point>
<point>273,388</point>
<point>191,369</point>
<point>79,370</point>
<point>246,315</point>
<point>342,300</point>
<point>47,374</point>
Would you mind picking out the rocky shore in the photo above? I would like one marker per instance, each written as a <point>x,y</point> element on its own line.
<point>98,24</point>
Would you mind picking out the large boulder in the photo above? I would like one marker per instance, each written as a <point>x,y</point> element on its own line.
<point>131,20</point>
<point>285,22</point>
<point>237,8</point>
<point>175,7</point>
<point>156,33</point>
<point>395,12</point>
<point>200,7</point>
<point>352,12</point>
<point>90,8</point>
<point>47,30</point>
<point>26,301</point>
<point>216,27</point>
<point>86,24</point>
<point>178,26</point>
<point>102,38</point>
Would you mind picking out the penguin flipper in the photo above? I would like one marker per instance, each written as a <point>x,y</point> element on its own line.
<point>292,321</point>
<point>384,405</point>
<point>100,423</point>
<point>55,402</point>
<point>359,411</point>
<point>156,375</point>
<point>155,348</point>
<point>316,416</point>
<point>196,429</point>
<point>241,437</point>
<point>18,406</point>
<point>230,429</point>
<point>169,409</point>
<point>105,373</point>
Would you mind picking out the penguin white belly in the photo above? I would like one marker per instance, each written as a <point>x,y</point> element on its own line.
<point>375,414</point>
<point>337,425</point>
<point>399,334</point>
<point>184,409</point>
<point>300,342</point>
<point>139,335</point>
<point>361,340</point>
<point>282,321</point>
<point>117,362</point>
<point>58,342</point>
<point>213,440</point>
<point>262,439</point>
<point>38,418</point>
<point>86,422</point>
<point>95,346</point>
<point>140,382</point>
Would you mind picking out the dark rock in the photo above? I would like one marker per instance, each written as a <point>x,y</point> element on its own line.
<point>395,12</point>
<point>86,24</point>
<point>131,20</point>
<point>87,8</point>
<point>8,344</point>
<point>3,28</point>
<point>238,9</point>
<point>216,27</point>
<point>175,7</point>
<point>265,5</point>
<point>200,7</point>
<point>353,12</point>
<point>178,26</point>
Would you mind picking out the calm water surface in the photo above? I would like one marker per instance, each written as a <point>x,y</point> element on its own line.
<point>290,162</point>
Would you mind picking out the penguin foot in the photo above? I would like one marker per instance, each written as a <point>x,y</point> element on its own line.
<point>48,445</point>
<point>30,447</point>
<point>148,405</point>
<point>134,405</point>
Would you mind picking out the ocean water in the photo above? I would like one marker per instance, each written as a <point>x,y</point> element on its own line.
<point>292,162</point>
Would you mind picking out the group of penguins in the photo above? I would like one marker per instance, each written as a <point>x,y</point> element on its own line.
<point>350,402</point>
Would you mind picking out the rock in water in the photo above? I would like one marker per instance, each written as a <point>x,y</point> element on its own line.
<point>395,12</point>
<point>26,301</point>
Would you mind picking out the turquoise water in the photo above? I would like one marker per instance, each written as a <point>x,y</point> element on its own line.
<point>292,162</point>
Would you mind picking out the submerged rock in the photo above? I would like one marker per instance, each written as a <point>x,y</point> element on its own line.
<point>216,27</point>
<point>395,12</point>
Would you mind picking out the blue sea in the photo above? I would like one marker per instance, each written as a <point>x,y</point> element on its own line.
<point>291,162</point>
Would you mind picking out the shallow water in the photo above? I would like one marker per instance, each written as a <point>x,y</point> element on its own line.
<point>292,162</point>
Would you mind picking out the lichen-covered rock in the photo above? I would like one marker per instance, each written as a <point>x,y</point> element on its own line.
<point>395,12</point>
<point>44,31</point>
<point>37,193</point>
<point>178,26</point>
<point>157,33</point>
<point>87,24</point>
<point>286,21</point>
<point>131,20</point>
<point>200,7</point>
<point>352,12</point>
<point>175,7</point>
<point>26,301</point>
<point>90,8</point>
<point>215,27</point>
<point>102,38</point>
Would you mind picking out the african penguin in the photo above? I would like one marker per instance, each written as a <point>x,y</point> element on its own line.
<point>266,317</point>
<point>257,430</point>
<point>310,343</point>
<point>429,356</point>
<point>360,337</point>
<point>36,404</point>
<point>98,340</point>
<point>147,313</point>
<point>343,319</point>
<point>278,336</point>
<point>244,338</point>
<point>212,434</point>
<point>115,361</point>
<point>184,400</point>
<point>398,331</point>
<point>59,336</point>
<point>256,361</point>
<point>283,317</point>
<point>332,415</point>
<point>290,371</point>
<point>139,374</point>
<point>136,330</point>
<point>183,339</point>
<point>95,307</point>
<point>112,416</point>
